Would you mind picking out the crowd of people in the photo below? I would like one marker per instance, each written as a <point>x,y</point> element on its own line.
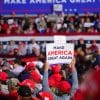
<point>43,24</point>
<point>36,79</point>
<point>20,80</point>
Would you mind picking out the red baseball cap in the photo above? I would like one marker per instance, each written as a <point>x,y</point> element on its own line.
<point>30,66</point>
<point>3,76</point>
<point>35,76</point>
<point>46,95</point>
<point>27,82</point>
<point>56,68</point>
<point>64,86</point>
<point>56,77</point>
<point>51,82</point>
<point>54,80</point>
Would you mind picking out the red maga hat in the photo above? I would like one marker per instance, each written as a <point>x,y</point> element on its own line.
<point>3,76</point>
<point>30,66</point>
<point>28,83</point>
<point>35,76</point>
<point>64,86</point>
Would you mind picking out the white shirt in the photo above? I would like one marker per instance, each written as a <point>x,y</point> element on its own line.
<point>17,70</point>
<point>31,46</point>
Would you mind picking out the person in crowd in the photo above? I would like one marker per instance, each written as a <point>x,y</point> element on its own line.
<point>81,44</point>
<point>17,67</point>
<point>32,85</point>
<point>64,86</point>
<point>32,26</point>
<point>25,24</point>
<point>71,28</point>
<point>3,86</point>
<point>2,49</point>
<point>93,46</point>
<point>24,93</point>
<point>41,24</point>
<point>12,88</point>
<point>4,62</point>
<point>34,48</point>
<point>10,47</point>
<point>63,28</point>
<point>22,49</point>
<point>4,26</point>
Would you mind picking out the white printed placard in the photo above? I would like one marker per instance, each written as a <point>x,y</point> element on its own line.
<point>58,7</point>
<point>59,39</point>
<point>59,53</point>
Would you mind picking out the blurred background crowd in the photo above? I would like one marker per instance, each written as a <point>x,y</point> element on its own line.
<point>43,24</point>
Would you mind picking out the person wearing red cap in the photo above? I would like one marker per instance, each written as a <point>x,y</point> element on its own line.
<point>93,47</point>
<point>30,66</point>
<point>32,85</point>
<point>54,80</point>
<point>3,86</point>
<point>26,73</point>
<point>28,83</point>
<point>56,68</point>
<point>3,76</point>
<point>34,75</point>
<point>64,87</point>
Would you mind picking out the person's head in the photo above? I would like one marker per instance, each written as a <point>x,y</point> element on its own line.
<point>24,93</point>
<point>64,87</point>
<point>12,84</point>
<point>1,46</point>
<point>34,75</point>
<point>30,67</point>
<point>81,41</point>
<point>94,42</point>
<point>56,68</point>
<point>21,44</point>
<point>29,83</point>
<point>32,41</point>
<point>54,81</point>
<point>17,62</point>
<point>3,76</point>
<point>11,42</point>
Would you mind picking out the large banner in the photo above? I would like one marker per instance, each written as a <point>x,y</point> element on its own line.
<point>48,6</point>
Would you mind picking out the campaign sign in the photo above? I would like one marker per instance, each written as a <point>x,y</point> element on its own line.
<point>48,6</point>
<point>59,39</point>
<point>59,53</point>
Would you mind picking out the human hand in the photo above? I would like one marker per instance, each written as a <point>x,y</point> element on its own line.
<point>73,63</point>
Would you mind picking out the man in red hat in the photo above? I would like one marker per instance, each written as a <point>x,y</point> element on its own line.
<point>64,86</point>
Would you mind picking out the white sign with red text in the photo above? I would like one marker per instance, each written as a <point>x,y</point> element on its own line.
<point>59,53</point>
